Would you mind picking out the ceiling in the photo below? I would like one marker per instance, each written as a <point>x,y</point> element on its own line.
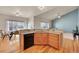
<point>25,11</point>
<point>28,11</point>
<point>58,10</point>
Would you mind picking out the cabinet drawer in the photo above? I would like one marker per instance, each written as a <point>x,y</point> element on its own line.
<point>54,39</point>
<point>37,38</point>
<point>44,41</point>
<point>44,34</point>
<point>37,34</point>
<point>37,42</point>
<point>54,44</point>
<point>44,37</point>
<point>53,35</point>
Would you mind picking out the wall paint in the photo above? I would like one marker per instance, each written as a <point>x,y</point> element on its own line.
<point>31,23</point>
<point>4,18</point>
<point>78,18</point>
<point>67,22</point>
<point>37,22</point>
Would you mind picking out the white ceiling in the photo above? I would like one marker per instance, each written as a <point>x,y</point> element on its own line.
<point>28,11</point>
<point>58,10</point>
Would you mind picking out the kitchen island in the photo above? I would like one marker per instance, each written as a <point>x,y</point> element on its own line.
<point>49,38</point>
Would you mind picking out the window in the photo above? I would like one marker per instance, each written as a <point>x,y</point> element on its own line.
<point>30,26</point>
<point>15,25</point>
<point>44,25</point>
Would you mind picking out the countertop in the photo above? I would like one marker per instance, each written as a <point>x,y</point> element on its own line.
<point>54,32</point>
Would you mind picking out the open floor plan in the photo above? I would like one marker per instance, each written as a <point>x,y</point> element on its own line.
<point>39,29</point>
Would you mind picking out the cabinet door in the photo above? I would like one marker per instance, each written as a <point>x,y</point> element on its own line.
<point>44,38</point>
<point>37,38</point>
<point>54,40</point>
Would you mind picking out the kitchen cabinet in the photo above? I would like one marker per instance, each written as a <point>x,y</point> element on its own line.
<point>55,40</point>
<point>51,39</point>
<point>37,38</point>
<point>40,38</point>
<point>44,37</point>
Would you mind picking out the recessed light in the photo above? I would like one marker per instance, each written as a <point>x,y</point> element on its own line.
<point>58,15</point>
<point>17,13</point>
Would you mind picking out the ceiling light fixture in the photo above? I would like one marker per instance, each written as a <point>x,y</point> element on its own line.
<point>41,7</point>
<point>18,13</point>
<point>58,16</point>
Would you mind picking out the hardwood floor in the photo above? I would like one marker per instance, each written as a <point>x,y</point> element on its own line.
<point>71,46</point>
<point>7,46</point>
<point>41,49</point>
<point>68,46</point>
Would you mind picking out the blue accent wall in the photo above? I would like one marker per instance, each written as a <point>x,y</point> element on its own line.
<point>67,22</point>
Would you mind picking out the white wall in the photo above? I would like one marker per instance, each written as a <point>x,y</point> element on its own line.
<point>37,22</point>
<point>31,23</point>
<point>4,18</point>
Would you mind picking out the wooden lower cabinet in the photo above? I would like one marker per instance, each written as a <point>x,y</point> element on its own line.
<point>55,40</point>
<point>44,37</point>
<point>21,41</point>
<point>40,38</point>
<point>37,38</point>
